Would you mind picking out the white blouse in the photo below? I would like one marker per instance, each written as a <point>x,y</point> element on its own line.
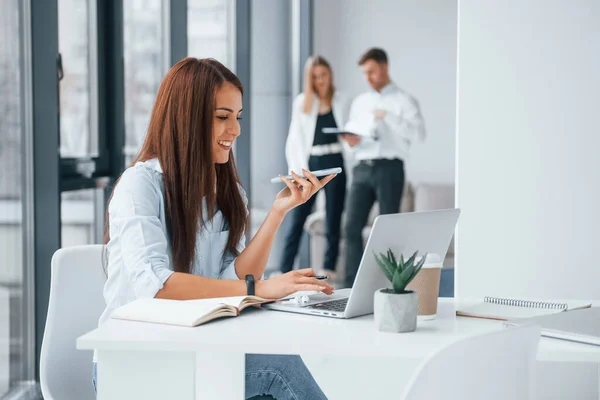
<point>139,253</point>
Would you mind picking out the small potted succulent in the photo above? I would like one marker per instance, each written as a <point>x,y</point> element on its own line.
<point>396,309</point>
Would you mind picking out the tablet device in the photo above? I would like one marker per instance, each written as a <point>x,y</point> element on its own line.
<point>336,131</point>
<point>319,173</point>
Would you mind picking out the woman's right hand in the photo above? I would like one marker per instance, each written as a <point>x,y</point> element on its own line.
<point>291,282</point>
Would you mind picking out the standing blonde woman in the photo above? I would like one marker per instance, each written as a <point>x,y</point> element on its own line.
<point>319,106</point>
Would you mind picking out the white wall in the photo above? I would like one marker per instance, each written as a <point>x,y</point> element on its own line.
<point>528,171</point>
<point>420,39</point>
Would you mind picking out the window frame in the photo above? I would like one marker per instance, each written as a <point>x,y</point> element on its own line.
<point>46,172</point>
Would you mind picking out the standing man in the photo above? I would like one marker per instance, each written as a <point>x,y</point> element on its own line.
<point>393,121</point>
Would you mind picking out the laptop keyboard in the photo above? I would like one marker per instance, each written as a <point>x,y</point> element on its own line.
<point>335,305</point>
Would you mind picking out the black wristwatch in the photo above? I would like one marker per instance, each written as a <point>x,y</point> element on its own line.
<point>250,284</point>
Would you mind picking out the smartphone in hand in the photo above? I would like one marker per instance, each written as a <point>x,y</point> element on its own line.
<point>319,173</point>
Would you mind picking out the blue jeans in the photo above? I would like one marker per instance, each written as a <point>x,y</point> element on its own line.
<point>283,377</point>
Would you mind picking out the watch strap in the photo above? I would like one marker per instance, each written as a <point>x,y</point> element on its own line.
<point>250,284</point>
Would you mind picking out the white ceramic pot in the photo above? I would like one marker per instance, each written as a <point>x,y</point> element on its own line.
<point>395,312</point>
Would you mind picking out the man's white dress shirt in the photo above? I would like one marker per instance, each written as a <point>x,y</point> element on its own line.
<point>392,136</point>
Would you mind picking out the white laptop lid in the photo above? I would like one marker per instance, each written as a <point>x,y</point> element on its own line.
<point>426,232</point>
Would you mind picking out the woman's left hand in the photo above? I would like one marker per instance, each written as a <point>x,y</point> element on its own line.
<point>299,191</point>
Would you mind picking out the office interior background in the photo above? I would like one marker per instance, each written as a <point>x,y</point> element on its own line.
<point>78,80</point>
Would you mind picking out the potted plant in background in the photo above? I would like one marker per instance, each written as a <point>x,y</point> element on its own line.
<point>396,309</point>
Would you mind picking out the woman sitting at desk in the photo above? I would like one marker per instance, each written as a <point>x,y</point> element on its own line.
<point>177,217</point>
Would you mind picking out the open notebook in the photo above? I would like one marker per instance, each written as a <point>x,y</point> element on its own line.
<point>504,309</point>
<point>185,312</point>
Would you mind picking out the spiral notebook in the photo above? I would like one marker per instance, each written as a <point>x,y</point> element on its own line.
<point>504,309</point>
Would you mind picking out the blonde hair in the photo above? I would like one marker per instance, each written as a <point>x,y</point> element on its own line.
<point>309,87</point>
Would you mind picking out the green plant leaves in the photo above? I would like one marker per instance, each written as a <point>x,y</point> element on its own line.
<point>391,266</point>
<point>387,271</point>
<point>402,279</point>
<point>400,274</point>
<point>392,257</point>
<point>412,258</point>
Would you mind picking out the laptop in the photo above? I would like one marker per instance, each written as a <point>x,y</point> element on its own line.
<point>427,232</point>
<point>581,325</point>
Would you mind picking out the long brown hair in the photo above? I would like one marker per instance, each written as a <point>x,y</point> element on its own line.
<point>309,88</point>
<point>180,135</point>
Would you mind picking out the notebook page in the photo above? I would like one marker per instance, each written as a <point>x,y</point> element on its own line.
<point>234,301</point>
<point>576,305</point>
<point>487,310</point>
<point>244,301</point>
<point>164,311</point>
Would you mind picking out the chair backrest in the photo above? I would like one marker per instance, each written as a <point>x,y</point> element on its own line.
<point>76,303</point>
<point>493,366</point>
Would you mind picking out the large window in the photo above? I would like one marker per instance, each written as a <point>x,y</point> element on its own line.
<point>78,129</point>
<point>145,66</point>
<point>82,217</point>
<point>108,78</point>
<point>13,292</point>
<point>211,30</point>
<point>80,146</point>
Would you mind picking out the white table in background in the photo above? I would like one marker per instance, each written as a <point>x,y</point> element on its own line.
<point>152,361</point>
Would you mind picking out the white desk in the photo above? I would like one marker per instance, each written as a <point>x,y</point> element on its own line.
<point>137,359</point>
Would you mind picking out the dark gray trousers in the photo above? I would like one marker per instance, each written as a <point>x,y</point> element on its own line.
<point>376,180</point>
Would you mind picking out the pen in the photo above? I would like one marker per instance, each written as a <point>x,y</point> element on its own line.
<point>320,277</point>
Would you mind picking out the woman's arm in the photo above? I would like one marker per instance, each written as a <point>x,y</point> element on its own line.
<point>136,229</point>
<point>181,286</point>
<point>253,260</point>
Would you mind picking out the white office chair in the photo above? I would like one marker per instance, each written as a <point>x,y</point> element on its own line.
<point>495,366</point>
<point>76,302</point>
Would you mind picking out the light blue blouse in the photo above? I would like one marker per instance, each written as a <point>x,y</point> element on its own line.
<point>139,253</point>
